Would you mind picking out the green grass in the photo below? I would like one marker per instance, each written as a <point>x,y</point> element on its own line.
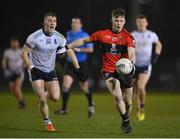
<point>162,118</point>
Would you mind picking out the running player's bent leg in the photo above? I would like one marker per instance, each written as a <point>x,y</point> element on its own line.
<point>127,96</point>
<point>15,87</point>
<point>88,92</point>
<point>18,92</point>
<point>53,89</point>
<point>38,87</point>
<point>113,86</point>
<point>141,88</point>
<point>67,83</point>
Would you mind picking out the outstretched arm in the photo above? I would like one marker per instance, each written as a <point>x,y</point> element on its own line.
<point>79,42</point>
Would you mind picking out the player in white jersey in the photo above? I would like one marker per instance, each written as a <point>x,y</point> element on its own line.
<point>13,70</point>
<point>144,60</point>
<point>42,47</point>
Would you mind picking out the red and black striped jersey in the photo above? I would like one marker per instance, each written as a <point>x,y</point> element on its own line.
<point>114,46</point>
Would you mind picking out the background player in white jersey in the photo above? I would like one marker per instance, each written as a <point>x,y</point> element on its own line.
<point>42,47</point>
<point>13,69</point>
<point>144,59</point>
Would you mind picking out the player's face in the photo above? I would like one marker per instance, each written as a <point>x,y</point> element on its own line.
<point>50,23</point>
<point>118,23</point>
<point>14,44</point>
<point>141,24</point>
<point>76,24</point>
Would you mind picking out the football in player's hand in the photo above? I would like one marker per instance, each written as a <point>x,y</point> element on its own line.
<point>124,66</point>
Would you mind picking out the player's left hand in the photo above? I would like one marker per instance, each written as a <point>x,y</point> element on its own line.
<point>7,73</point>
<point>155,57</point>
<point>81,75</point>
<point>132,71</point>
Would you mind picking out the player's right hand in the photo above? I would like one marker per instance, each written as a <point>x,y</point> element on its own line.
<point>7,73</point>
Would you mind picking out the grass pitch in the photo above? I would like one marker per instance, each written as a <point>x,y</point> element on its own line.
<point>162,117</point>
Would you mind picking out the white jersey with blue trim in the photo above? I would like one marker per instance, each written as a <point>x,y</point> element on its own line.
<point>14,61</point>
<point>144,44</point>
<point>43,54</point>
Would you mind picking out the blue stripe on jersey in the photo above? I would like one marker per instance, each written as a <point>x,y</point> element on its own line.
<point>72,36</point>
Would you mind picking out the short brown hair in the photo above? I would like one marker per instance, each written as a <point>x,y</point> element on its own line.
<point>49,14</point>
<point>118,12</point>
<point>79,18</point>
<point>141,16</point>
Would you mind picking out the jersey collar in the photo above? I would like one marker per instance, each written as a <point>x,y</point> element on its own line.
<point>46,34</point>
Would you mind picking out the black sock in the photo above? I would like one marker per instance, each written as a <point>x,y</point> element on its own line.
<point>89,97</point>
<point>142,105</point>
<point>65,98</point>
<point>127,108</point>
<point>125,116</point>
<point>125,119</point>
<point>22,103</point>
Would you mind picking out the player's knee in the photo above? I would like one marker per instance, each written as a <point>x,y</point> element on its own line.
<point>84,88</point>
<point>42,102</point>
<point>118,98</point>
<point>65,89</point>
<point>141,88</point>
<point>55,98</point>
<point>16,89</point>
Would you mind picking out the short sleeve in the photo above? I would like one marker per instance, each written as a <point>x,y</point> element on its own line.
<point>30,42</point>
<point>5,55</point>
<point>95,36</point>
<point>130,41</point>
<point>155,38</point>
<point>88,45</point>
<point>63,42</point>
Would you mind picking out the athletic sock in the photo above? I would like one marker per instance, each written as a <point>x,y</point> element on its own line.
<point>65,97</point>
<point>128,109</point>
<point>142,107</point>
<point>47,121</point>
<point>22,103</point>
<point>125,119</point>
<point>89,97</point>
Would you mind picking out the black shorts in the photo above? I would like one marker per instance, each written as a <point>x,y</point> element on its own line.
<point>41,75</point>
<point>14,76</point>
<point>143,69</point>
<point>71,70</point>
<point>126,81</point>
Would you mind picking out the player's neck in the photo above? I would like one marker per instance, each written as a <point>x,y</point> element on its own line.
<point>47,33</point>
<point>142,30</point>
<point>116,31</point>
<point>76,30</point>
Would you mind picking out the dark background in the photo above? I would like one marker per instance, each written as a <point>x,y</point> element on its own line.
<point>24,17</point>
